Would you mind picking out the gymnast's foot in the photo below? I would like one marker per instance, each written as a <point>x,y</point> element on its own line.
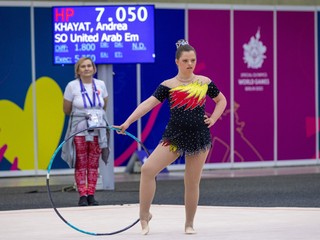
<point>189,230</point>
<point>145,225</point>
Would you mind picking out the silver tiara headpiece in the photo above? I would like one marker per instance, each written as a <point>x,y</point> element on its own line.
<point>181,42</point>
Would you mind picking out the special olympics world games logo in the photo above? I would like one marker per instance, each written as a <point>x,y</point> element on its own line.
<point>254,52</point>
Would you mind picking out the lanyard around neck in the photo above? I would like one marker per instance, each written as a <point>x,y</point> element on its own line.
<point>85,95</point>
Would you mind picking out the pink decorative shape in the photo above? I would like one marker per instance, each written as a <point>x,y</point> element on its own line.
<point>2,151</point>
<point>311,126</point>
<point>14,165</point>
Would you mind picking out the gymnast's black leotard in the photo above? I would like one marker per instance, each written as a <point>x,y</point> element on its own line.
<point>186,131</point>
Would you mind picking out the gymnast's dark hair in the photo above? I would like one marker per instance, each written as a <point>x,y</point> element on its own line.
<point>183,46</point>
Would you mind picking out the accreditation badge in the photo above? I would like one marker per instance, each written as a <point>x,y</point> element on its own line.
<point>94,118</point>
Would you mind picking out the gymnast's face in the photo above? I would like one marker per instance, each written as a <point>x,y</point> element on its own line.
<point>187,61</point>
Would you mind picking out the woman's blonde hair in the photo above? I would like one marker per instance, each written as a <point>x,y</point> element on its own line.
<point>80,61</point>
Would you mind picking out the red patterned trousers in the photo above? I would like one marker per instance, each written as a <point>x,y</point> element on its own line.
<point>87,163</point>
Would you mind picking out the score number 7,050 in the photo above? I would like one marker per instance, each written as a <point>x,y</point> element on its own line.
<point>130,14</point>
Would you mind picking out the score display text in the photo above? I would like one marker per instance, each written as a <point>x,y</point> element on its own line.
<point>106,34</point>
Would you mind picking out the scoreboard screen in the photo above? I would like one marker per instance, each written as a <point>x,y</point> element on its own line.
<point>106,34</point>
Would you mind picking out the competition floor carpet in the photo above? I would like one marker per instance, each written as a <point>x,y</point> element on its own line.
<point>245,204</point>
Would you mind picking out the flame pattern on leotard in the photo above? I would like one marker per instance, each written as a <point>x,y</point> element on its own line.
<point>190,96</point>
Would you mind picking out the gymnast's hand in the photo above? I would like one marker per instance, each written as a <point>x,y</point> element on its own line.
<point>122,128</point>
<point>209,121</point>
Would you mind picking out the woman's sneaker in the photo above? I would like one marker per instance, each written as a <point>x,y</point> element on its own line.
<point>92,201</point>
<point>83,201</point>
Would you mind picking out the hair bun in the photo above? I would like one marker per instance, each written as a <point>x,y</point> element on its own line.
<point>181,42</point>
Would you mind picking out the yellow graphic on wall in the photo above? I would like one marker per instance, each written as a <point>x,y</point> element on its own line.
<point>17,125</point>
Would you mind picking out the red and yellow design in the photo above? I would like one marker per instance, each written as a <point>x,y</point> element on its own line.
<point>190,96</point>
<point>173,148</point>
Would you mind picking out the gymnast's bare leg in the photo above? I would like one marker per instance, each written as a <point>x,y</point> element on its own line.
<point>193,170</point>
<point>160,158</point>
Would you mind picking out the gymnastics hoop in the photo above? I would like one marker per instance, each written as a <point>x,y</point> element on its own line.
<point>49,191</point>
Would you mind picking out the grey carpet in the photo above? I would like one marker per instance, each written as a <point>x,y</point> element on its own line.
<point>269,191</point>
